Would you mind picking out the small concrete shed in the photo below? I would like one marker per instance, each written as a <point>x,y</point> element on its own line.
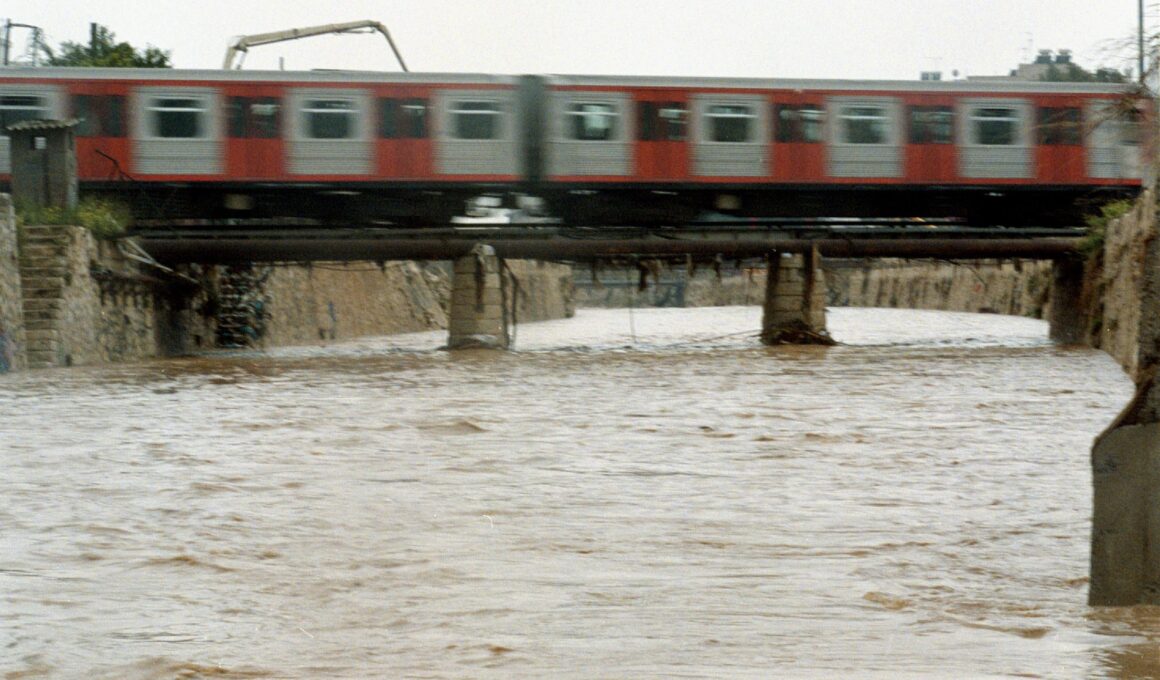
<point>44,163</point>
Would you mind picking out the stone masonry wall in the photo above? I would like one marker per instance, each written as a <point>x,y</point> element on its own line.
<point>341,301</point>
<point>1115,286</point>
<point>323,302</point>
<point>619,287</point>
<point>98,307</point>
<point>109,311</point>
<point>1017,288</point>
<point>545,290</point>
<point>11,295</point>
<point>92,304</point>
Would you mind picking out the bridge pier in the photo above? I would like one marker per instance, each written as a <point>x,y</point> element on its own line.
<point>1067,322</point>
<point>478,308</point>
<point>795,300</point>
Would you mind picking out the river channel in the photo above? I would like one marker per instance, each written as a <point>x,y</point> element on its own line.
<point>631,494</point>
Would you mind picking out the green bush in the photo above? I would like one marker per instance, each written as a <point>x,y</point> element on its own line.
<point>107,219</point>
<point>1097,225</point>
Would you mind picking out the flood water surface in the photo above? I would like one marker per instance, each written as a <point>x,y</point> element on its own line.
<point>644,494</point>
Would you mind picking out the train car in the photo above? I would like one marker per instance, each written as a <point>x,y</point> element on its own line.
<point>410,148</point>
<point>993,151</point>
<point>327,145</point>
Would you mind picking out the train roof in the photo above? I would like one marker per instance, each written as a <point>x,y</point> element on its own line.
<point>998,85</point>
<point>222,75</point>
<point>984,85</point>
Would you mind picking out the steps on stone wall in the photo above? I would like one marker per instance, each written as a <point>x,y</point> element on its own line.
<point>43,275</point>
<point>241,316</point>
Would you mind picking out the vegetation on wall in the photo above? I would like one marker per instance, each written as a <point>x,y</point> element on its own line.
<point>107,219</point>
<point>1097,225</point>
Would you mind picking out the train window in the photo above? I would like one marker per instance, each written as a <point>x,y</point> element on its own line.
<point>113,115</point>
<point>15,108</point>
<point>99,115</point>
<point>865,125</point>
<point>995,126</point>
<point>388,118</point>
<point>798,122</point>
<point>402,118</point>
<point>414,114</point>
<point>932,125</point>
<point>329,118</point>
<point>476,120</point>
<point>1060,126</point>
<point>676,121</point>
<point>730,123</point>
<point>84,110</point>
<point>265,117</point>
<point>662,121</point>
<point>178,117</point>
<point>254,117</point>
<point>1131,128</point>
<point>593,122</point>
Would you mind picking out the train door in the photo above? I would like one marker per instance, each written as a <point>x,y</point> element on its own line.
<point>930,142</point>
<point>662,138</point>
<point>404,138</point>
<point>255,136</point>
<point>1059,153</point>
<point>101,131</point>
<point>799,133</point>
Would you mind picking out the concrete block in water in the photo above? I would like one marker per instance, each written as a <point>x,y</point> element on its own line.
<point>1125,557</point>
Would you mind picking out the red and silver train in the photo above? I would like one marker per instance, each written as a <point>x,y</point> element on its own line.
<point>412,148</point>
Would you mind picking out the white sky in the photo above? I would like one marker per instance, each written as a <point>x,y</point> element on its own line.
<point>865,39</point>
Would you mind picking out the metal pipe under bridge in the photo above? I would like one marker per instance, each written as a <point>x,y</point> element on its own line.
<point>278,241</point>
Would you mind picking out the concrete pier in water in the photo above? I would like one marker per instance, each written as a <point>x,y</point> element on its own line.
<point>478,305</point>
<point>1067,320</point>
<point>795,300</point>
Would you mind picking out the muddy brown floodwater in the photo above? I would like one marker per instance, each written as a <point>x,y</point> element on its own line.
<point>645,494</point>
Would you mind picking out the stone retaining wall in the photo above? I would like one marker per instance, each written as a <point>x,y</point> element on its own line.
<point>339,301</point>
<point>11,291</point>
<point>334,301</point>
<point>1120,312</point>
<point>620,287</point>
<point>109,310</point>
<point>1019,288</point>
<point>91,304</point>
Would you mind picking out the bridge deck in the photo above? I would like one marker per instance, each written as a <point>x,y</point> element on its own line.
<point>232,243</point>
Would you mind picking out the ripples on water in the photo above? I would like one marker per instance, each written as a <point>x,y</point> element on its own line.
<point>644,494</point>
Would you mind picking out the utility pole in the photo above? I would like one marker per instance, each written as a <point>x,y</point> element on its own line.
<point>7,37</point>
<point>1141,39</point>
<point>37,38</point>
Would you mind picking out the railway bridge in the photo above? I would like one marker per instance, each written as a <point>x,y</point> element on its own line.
<point>794,303</point>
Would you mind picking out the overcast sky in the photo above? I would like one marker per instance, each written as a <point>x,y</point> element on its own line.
<point>876,39</point>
